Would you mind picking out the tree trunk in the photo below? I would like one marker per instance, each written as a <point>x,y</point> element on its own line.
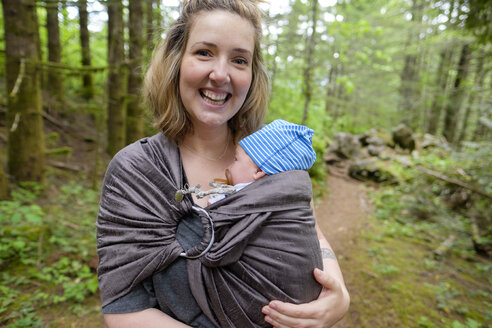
<point>425,93</point>
<point>409,74</point>
<point>308,71</point>
<point>440,96</point>
<point>87,82</point>
<point>25,145</point>
<point>42,75</point>
<point>273,69</point>
<point>340,92</point>
<point>442,77</point>
<point>330,105</point>
<point>457,95</point>
<point>134,109</point>
<point>4,194</point>
<point>116,79</point>
<point>150,23</point>
<point>55,78</point>
<point>481,129</point>
<point>478,85</point>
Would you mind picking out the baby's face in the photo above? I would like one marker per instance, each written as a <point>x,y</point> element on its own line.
<point>243,169</point>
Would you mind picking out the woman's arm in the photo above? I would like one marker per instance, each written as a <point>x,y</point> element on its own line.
<point>331,305</point>
<point>149,318</point>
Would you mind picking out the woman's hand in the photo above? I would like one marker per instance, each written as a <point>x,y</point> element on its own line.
<point>331,305</point>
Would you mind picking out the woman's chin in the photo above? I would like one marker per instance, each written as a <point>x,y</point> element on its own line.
<point>213,120</point>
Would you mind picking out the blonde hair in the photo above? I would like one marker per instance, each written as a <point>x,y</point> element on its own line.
<point>161,85</point>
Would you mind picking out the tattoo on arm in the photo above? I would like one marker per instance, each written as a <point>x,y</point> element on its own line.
<point>327,253</point>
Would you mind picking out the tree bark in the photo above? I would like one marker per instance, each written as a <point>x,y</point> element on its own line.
<point>4,194</point>
<point>478,85</point>
<point>410,74</point>
<point>442,77</point>
<point>42,76</point>
<point>308,70</point>
<point>87,82</point>
<point>330,104</point>
<point>457,95</point>
<point>151,20</point>
<point>483,110</point>
<point>54,86</point>
<point>25,145</point>
<point>116,79</point>
<point>149,26</point>
<point>340,92</point>
<point>134,110</point>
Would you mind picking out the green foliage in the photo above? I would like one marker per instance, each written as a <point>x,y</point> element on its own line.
<point>318,170</point>
<point>424,322</point>
<point>47,244</point>
<point>470,323</point>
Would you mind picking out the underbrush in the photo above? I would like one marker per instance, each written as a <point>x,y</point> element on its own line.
<point>47,254</point>
<point>424,258</point>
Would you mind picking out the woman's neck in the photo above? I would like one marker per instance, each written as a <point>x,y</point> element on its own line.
<point>211,144</point>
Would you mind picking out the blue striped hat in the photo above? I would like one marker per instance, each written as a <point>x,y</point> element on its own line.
<point>281,146</point>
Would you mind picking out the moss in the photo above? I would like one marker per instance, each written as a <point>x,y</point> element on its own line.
<point>63,151</point>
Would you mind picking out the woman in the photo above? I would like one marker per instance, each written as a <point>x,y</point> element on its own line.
<point>208,88</point>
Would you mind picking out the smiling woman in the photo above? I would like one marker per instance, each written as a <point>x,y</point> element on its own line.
<point>216,69</point>
<point>207,88</point>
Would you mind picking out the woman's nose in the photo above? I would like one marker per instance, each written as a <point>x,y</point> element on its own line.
<point>220,73</point>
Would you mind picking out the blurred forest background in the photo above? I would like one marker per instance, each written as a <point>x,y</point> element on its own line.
<point>398,91</point>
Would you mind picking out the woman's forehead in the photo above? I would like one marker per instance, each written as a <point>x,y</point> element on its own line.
<point>222,28</point>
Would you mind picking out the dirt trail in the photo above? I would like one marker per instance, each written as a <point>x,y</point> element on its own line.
<point>340,215</point>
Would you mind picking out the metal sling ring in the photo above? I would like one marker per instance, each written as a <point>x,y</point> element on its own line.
<point>212,239</point>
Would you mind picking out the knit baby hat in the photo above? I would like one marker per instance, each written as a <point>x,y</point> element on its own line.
<point>281,146</point>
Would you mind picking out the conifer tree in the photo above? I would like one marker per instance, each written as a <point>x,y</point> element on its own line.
<point>116,79</point>
<point>25,145</point>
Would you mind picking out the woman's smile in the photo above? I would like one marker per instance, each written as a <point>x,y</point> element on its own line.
<point>214,97</point>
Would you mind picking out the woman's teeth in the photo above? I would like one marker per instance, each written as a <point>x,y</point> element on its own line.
<point>214,98</point>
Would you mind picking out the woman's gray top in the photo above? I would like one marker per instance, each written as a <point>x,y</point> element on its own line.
<point>265,248</point>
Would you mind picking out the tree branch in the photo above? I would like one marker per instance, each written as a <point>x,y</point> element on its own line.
<point>454,181</point>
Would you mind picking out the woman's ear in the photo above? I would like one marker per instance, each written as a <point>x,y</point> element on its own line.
<point>259,174</point>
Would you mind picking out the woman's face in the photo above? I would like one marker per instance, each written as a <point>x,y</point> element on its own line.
<point>216,68</point>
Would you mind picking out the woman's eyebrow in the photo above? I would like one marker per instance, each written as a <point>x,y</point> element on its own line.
<point>211,44</point>
<point>204,43</point>
<point>243,51</point>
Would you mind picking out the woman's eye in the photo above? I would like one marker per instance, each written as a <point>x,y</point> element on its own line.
<point>241,61</point>
<point>203,53</point>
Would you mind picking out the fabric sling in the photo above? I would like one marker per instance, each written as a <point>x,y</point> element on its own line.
<point>265,246</point>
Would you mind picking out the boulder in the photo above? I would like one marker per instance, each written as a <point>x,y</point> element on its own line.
<point>403,137</point>
<point>376,137</point>
<point>371,170</point>
<point>374,150</point>
<point>331,158</point>
<point>345,145</point>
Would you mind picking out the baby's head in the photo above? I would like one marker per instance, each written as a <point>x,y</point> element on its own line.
<point>278,147</point>
<point>243,169</point>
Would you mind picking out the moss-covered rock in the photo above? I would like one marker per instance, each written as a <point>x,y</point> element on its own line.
<point>371,170</point>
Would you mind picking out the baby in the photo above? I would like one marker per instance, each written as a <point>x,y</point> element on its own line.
<point>278,147</point>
